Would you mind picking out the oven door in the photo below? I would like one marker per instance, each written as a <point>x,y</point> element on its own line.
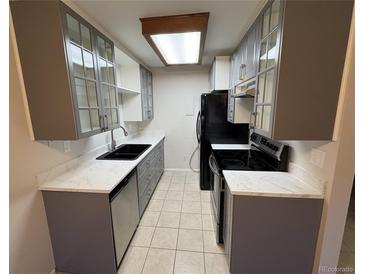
<point>216,198</point>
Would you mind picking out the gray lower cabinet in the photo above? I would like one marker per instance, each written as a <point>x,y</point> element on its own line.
<point>90,232</point>
<point>269,234</point>
<point>72,92</point>
<point>149,172</point>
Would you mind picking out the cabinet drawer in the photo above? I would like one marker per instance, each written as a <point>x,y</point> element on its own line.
<point>143,201</point>
<point>144,165</point>
<point>144,181</point>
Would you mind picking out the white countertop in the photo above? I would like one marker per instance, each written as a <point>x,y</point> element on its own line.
<point>269,184</point>
<point>231,146</point>
<point>100,176</point>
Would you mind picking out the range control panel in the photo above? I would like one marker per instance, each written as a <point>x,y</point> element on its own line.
<point>273,147</point>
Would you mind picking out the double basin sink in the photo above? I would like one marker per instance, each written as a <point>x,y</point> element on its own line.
<point>125,152</point>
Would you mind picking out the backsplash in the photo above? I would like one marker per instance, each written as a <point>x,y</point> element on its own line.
<point>301,164</point>
<point>84,149</point>
<point>307,177</point>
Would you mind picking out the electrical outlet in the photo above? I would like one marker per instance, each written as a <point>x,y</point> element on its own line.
<point>66,146</point>
<point>317,157</point>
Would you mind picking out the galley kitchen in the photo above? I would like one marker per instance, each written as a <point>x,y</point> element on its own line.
<point>200,137</point>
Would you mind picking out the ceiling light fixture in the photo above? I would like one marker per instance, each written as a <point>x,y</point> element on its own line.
<point>178,39</point>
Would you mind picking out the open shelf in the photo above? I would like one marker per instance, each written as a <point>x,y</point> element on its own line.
<point>127,90</point>
<point>243,95</point>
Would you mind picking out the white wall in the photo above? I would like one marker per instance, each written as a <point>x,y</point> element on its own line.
<point>176,104</point>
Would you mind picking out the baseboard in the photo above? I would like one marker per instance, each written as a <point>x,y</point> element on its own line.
<point>180,169</point>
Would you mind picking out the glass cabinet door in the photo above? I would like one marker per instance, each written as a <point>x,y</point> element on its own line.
<point>146,93</point>
<point>81,55</point>
<point>231,71</point>
<point>106,65</point>
<point>150,95</point>
<point>266,81</point>
<point>230,107</point>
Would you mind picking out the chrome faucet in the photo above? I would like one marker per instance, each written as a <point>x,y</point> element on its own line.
<point>114,143</point>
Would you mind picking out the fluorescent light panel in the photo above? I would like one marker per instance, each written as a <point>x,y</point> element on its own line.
<point>178,48</point>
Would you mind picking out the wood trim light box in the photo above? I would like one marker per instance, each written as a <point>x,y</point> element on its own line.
<point>177,39</point>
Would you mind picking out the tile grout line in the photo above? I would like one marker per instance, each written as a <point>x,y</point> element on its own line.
<point>179,224</point>
<point>177,240</point>
<point>145,259</point>
<point>154,230</point>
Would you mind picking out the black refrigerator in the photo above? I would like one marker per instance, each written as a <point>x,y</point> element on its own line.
<point>212,127</point>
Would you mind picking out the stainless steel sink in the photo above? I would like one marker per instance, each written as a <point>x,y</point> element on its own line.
<point>125,152</point>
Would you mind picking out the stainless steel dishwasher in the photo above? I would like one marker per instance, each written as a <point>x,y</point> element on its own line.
<point>125,213</point>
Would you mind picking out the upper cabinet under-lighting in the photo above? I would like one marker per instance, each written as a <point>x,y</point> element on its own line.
<point>177,40</point>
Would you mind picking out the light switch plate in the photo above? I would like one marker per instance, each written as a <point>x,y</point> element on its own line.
<point>317,157</point>
<point>66,146</point>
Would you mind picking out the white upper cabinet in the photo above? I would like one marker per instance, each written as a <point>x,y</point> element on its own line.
<point>138,106</point>
<point>128,73</point>
<point>219,75</point>
<point>134,84</point>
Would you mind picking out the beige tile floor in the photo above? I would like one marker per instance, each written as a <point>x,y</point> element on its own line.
<point>175,234</point>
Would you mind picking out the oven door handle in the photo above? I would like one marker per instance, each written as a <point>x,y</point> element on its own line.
<point>212,168</point>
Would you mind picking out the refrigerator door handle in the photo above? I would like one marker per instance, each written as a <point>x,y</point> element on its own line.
<point>198,127</point>
<point>213,165</point>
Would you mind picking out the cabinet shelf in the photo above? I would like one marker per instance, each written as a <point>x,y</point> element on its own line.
<point>245,82</point>
<point>243,95</point>
<point>125,90</point>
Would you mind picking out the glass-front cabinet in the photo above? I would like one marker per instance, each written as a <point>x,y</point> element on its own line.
<point>150,95</point>
<point>267,65</point>
<point>146,93</point>
<point>92,76</point>
<point>106,65</point>
<point>72,89</point>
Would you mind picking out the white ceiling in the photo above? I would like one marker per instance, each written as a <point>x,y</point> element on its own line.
<point>228,21</point>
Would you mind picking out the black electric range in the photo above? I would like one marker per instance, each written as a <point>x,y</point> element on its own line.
<point>264,154</point>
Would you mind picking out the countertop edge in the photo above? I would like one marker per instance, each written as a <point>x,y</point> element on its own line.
<point>274,194</point>
<point>277,195</point>
<point>230,146</point>
<point>45,187</point>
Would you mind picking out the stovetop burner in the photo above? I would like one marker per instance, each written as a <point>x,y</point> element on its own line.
<point>251,159</point>
<point>234,163</point>
<point>227,153</point>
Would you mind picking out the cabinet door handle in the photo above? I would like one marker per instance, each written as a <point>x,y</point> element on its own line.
<point>107,121</point>
<point>252,126</point>
<point>102,122</point>
<point>242,68</point>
